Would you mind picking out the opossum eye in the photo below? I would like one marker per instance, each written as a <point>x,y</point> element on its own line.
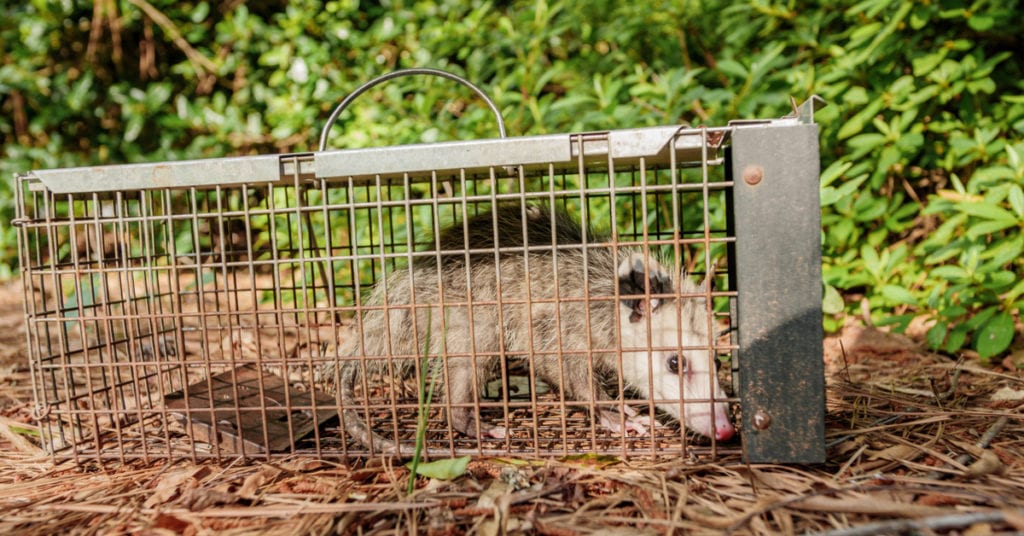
<point>673,364</point>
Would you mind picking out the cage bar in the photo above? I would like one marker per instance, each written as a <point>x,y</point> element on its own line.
<point>204,309</point>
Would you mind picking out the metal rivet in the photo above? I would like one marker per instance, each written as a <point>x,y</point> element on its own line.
<point>753,174</point>
<point>762,420</point>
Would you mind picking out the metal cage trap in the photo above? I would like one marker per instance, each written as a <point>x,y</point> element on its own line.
<point>552,294</point>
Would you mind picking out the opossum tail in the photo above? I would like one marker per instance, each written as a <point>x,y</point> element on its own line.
<point>355,425</point>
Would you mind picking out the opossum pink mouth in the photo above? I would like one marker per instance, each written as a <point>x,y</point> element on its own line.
<point>701,423</point>
<point>724,432</point>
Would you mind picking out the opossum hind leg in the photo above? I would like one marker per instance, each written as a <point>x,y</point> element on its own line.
<point>463,416</point>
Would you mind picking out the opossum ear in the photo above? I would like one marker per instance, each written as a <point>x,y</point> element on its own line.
<point>709,279</point>
<point>636,277</point>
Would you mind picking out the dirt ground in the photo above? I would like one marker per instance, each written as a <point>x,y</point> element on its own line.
<point>917,443</point>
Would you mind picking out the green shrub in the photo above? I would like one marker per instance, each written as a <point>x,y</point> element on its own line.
<point>921,144</point>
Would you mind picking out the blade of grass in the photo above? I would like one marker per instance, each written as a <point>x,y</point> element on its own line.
<point>426,395</point>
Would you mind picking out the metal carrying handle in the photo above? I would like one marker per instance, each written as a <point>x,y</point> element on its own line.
<point>408,72</point>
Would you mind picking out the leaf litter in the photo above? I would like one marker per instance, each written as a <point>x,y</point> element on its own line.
<point>916,442</point>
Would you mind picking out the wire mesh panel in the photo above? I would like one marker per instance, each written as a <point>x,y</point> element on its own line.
<point>540,296</point>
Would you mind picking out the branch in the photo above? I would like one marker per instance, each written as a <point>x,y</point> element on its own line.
<point>200,63</point>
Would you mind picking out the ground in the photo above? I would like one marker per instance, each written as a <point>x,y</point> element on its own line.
<point>917,443</point>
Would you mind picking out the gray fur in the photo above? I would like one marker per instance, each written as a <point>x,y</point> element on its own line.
<point>557,318</point>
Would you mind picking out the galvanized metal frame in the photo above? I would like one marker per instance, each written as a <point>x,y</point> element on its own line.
<point>114,302</point>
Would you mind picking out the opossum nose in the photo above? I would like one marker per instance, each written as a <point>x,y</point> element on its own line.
<point>724,431</point>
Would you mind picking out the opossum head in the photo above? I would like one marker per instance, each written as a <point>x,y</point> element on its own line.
<point>653,329</point>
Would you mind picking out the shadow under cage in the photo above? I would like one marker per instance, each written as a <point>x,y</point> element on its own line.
<point>649,293</point>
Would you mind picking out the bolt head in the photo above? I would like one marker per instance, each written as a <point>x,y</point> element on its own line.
<point>762,420</point>
<point>753,174</point>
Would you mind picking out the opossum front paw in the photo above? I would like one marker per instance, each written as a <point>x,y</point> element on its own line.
<point>633,423</point>
<point>641,422</point>
<point>497,432</point>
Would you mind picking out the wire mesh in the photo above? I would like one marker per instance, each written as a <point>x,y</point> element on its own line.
<point>212,320</point>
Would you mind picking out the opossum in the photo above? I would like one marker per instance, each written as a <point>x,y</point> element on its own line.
<point>548,299</point>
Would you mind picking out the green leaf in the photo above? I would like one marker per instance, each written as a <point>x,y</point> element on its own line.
<point>998,281</point>
<point>919,18</point>
<point>733,68</point>
<point>830,195</point>
<point>870,257</point>
<point>995,336</point>
<point>445,469</point>
<point>866,142</point>
<point>1012,157</point>
<point>989,227</point>
<point>980,23</point>
<point>979,319</point>
<point>77,99</point>
<point>1016,198</point>
<point>31,432</point>
<point>1005,250</point>
<point>956,339</point>
<point>834,171</point>
<point>954,312</point>
<point>832,303</point>
<point>856,95</point>
<point>898,294</point>
<point>865,32</point>
<point>1016,291</point>
<point>992,174</point>
<point>855,124</point>
<point>133,128</point>
<point>987,211</point>
<point>925,64</point>
<point>899,323</point>
<point>982,85</point>
<point>936,335</point>
<point>200,12</point>
<point>950,272</point>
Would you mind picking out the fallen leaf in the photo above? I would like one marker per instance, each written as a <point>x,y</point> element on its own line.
<point>897,453</point>
<point>252,484</point>
<point>170,486</point>
<point>987,464</point>
<point>171,523</point>
<point>1006,394</point>
<point>1014,361</point>
<point>591,460</point>
<point>938,499</point>
<point>495,497</point>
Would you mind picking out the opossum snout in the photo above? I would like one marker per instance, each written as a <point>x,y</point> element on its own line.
<point>674,376</point>
<point>715,423</point>
<point>702,411</point>
<point>724,431</point>
<point>688,375</point>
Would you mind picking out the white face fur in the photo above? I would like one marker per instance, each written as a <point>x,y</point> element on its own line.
<point>673,363</point>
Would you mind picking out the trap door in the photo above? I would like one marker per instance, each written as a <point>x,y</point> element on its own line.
<point>777,218</point>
